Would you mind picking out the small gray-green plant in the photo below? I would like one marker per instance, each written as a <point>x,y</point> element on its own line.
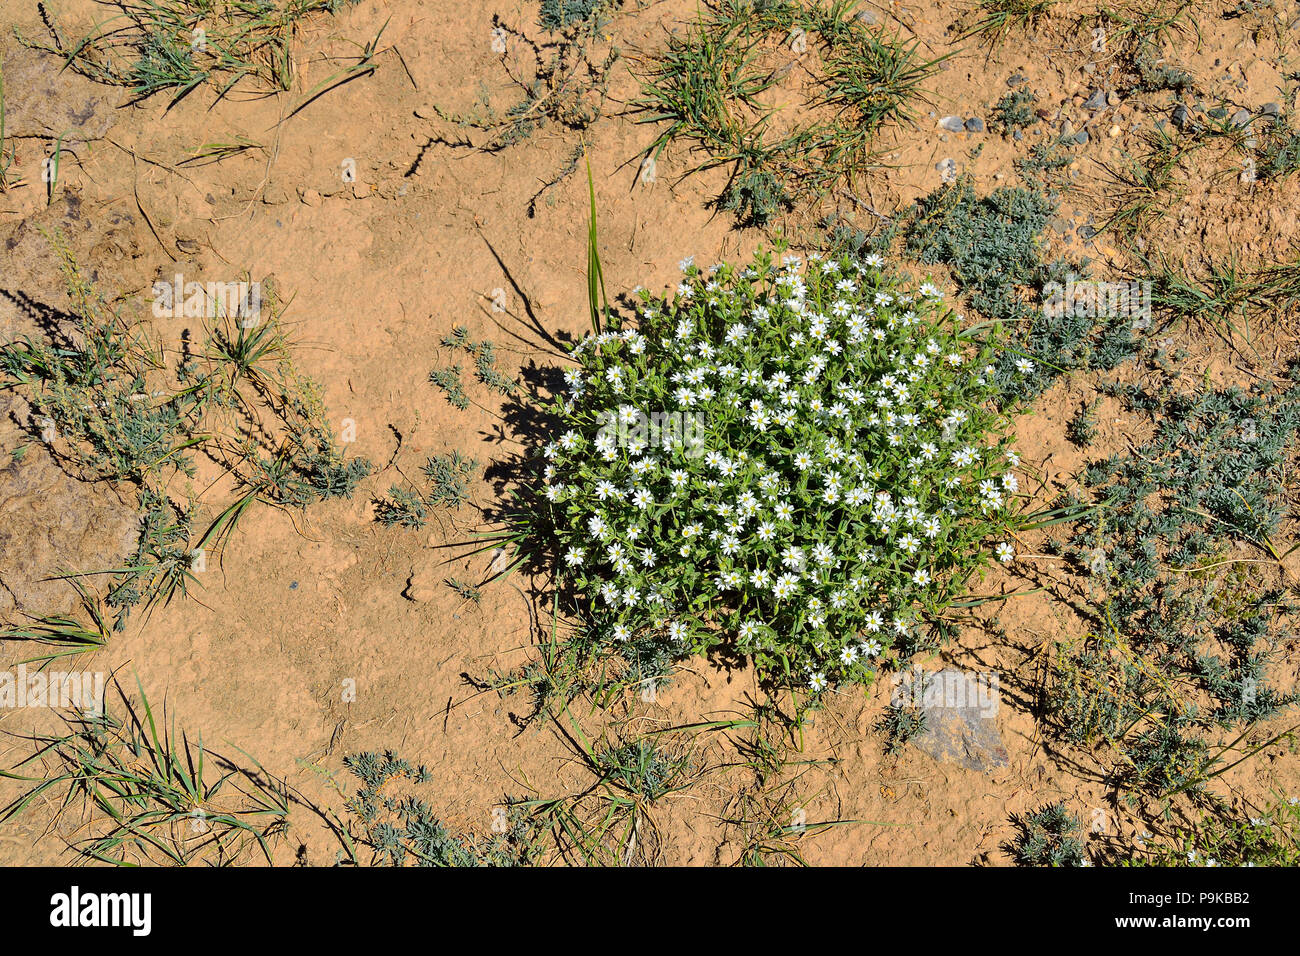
<point>992,245</point>
<point>448,379</point>
<point>901,724</point>
<point>1015,110</point>
<point>565,14</point>
<point>484,355</point>
<point>1082,427</point>
<point>449,477</point>
<point>111,405</point>
<point>1180,658</point>
<point>465,590</point>
<point>1049,836</point>
<point>401,829</point>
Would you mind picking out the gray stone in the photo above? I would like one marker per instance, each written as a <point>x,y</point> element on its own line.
<point>1179,116</point>
<point>960,711</point>
<point>953,124</point>
<point>1241,119</point>
<point>1095,102</point>
<point>1271,109</point>
<point>974,125</point>
<point>1081,137</point>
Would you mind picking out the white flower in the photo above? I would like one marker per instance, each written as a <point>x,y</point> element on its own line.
<point>1005,552</point>
<point>574,556</point>
<point>817,682</point>
<point>785,586</point>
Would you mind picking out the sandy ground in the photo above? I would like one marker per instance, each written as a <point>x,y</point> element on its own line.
<point>302,605</point>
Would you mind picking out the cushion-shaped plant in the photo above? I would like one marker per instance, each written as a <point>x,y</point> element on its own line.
<point>795,463</point>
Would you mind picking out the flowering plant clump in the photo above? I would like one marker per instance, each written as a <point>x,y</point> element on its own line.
<point>794,463</point>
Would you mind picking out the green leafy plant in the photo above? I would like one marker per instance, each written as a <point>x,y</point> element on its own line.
<point>705,89</point>
<point>827,475</point>
<point>151,797</point>
<point>112,404</point>
<point>1270,838</point>
<point>179,45</point>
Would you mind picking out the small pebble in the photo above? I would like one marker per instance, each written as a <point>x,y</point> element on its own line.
<point>974,125</point>
<point>954,124</point>
<point>1081,137</point>
<point>1095,102</point>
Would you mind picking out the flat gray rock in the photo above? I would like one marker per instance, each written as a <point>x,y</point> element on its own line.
<point>1095,102</point>
<point>960,719</point>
